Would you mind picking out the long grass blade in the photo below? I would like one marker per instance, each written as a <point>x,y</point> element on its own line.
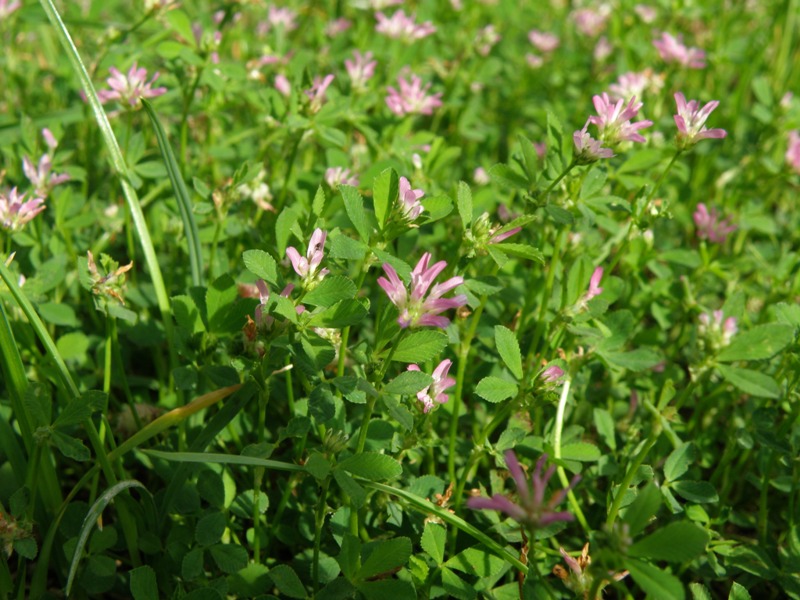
<point>224,459</point>
<point>119,165</point>
<point>182,196</point>
<point>91,520</point>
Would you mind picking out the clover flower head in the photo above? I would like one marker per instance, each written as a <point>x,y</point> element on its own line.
<point>336,176</point>
<point>672,49</point>
<point>543,41</point>
<point>307,267</point>
<point>282,84</point>
<point>420,308</point>
<point>360,69</point>
<point>591,21</point>
<point>793,151</point>
<point>716,329</point>
<point>613,120</point>
<point>337,26</point>
<point>285,18</point>
<point>531,508</point>
<point>486,38</point>
<point>634,84</point>
<point>7,8</point>
<point>588,149</point>
<point>403,27</point>
<point>710,226</point>
<point>130,88</point>
<point>579,579</point>
<point>412,97</point>
<point>112,284</point>
<point>594,285</point>
<point>691,121</point>
<point>434,393</point>
<point>551,374</point>
<point>16,212</point>
<point>316,93</point>
<point>409,200</point>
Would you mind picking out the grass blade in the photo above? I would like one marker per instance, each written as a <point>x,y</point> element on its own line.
<point>181,195</point>
<point>224,459</point>
<point>119,165</point>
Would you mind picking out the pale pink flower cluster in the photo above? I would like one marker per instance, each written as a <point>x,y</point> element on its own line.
<point>409,200</point>
<point>435,391</point>
<point>591,21</point>
<point>486,39</point>
<point>316,93</point>
<point>417,310</point>
<point>7,8</point>
<point>613,122</point>
<point>646,12</point>
<point>672,49</point>
<point>130,88</point>
<point>481,176</point>
<point>602,49</point>
<point>403,27</point>
<point>40,175</point>
<point>543,41</point>
<point>691,120</point>
<point>336,176</point>
<point>307,267</point>
<point>16,212</point>
<point>282,84</point>
<point>551,374</point>
<point>412,97</point>
<point>793,151</point>
<point>277,17</point>
<point>634,84</point>
<point>710,226</point>
<point>594,286</point>
<point>337,27</point>
<point>263,320</point>
<point>360,69</point>
<point>531,508</point>
<point>717,328</point>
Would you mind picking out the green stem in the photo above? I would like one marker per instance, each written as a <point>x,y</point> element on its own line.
<point>558,179</point>
<point>346,330</point>
<point>320,521</point>
<point>629,475</point>
<point>463,357</point>
<point>547,293</point>
<point>562,475</point>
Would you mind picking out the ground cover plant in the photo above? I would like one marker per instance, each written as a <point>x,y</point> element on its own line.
<point>373,298</point>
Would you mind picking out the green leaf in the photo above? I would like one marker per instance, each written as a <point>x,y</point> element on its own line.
<point>385,191</point>
<point>751,382</point>
<point>318,466</point>
<point>477,561</point>
<point>143,583</point>
<point>344,247</point>
<point>642,509</point>
<point>230,558</point>
<point>593,182</point>
<point>70,446</point>
<point>759,343</point>
<point>685,258</point>
<point>581,451</point>
<point>384,557</point>
<point>318,205</point>
<point>380,589</point>
<point>505,175</point>
<point>356,494</point>
<point>262,265</point>
<point>408,382</point>
<point>330,290</point>
<point>436,207</point>
<point>493,389</point>
<point>464,201</point>
<point>738,592</point>
<point>677,542</point>
<point>19,501</point>
<point>26,547</point>
<point>210,528</point>
<point>699,591</point>
<point>58,314</point>
<point>457,587</point>
<point>695,491</point>
<point>349,558</point>
<point>80,409</point>
<point>287,581</point>
<point>354,207</point>
<point>220,297</point>
<point>433,541</point>
<point>372,466</point>
<point>322,404</point>
<point>420,346</point>
<point>508,347</point>
<point>604,423</point>
<point>635,360</point>
<point>520,251</point>
<point>180,22</point>
<point>187,314</point>
<point>678,461</point>
<point>655,582</point>
<point>341,314</point>
<point>192,564</point>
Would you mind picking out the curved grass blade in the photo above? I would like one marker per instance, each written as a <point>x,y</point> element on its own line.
<point>181,195</point>
<point>426,506</point>
<point>14,375</point>
<point>121,168</point>
<point>91,518</point>
<point>224,459</point>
